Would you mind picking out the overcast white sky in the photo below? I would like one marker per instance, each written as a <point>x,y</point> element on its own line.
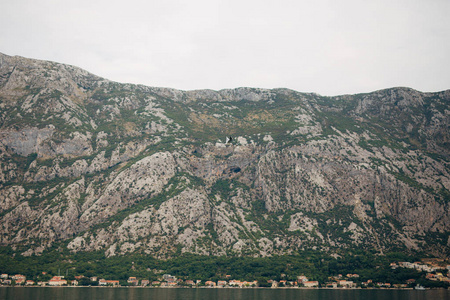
<point>325,46</point>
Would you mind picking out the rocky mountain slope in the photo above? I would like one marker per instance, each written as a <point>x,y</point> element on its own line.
<point>90,164</point>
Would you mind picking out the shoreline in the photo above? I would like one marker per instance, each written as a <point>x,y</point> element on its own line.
<point>236,288</point>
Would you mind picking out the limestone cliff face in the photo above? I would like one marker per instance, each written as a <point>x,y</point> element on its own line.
<point>91,164</point>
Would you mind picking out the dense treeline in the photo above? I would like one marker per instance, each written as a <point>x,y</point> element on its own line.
<point>316,266</point>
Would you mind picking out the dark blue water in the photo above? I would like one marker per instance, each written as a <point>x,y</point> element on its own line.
<point>75,293</point>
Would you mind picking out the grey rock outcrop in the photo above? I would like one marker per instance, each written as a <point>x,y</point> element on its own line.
<point>91,164</point>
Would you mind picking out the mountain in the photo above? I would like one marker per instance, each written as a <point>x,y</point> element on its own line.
<point>88,164</point>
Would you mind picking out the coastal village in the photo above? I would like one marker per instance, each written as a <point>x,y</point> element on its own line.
<point>437,273</point>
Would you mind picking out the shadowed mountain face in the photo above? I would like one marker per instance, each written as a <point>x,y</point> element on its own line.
<point>92,164</point>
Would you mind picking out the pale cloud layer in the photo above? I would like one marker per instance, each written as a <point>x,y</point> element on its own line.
<point>329,47</point>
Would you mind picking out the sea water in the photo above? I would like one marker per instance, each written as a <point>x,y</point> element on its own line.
<point>133,293</point>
